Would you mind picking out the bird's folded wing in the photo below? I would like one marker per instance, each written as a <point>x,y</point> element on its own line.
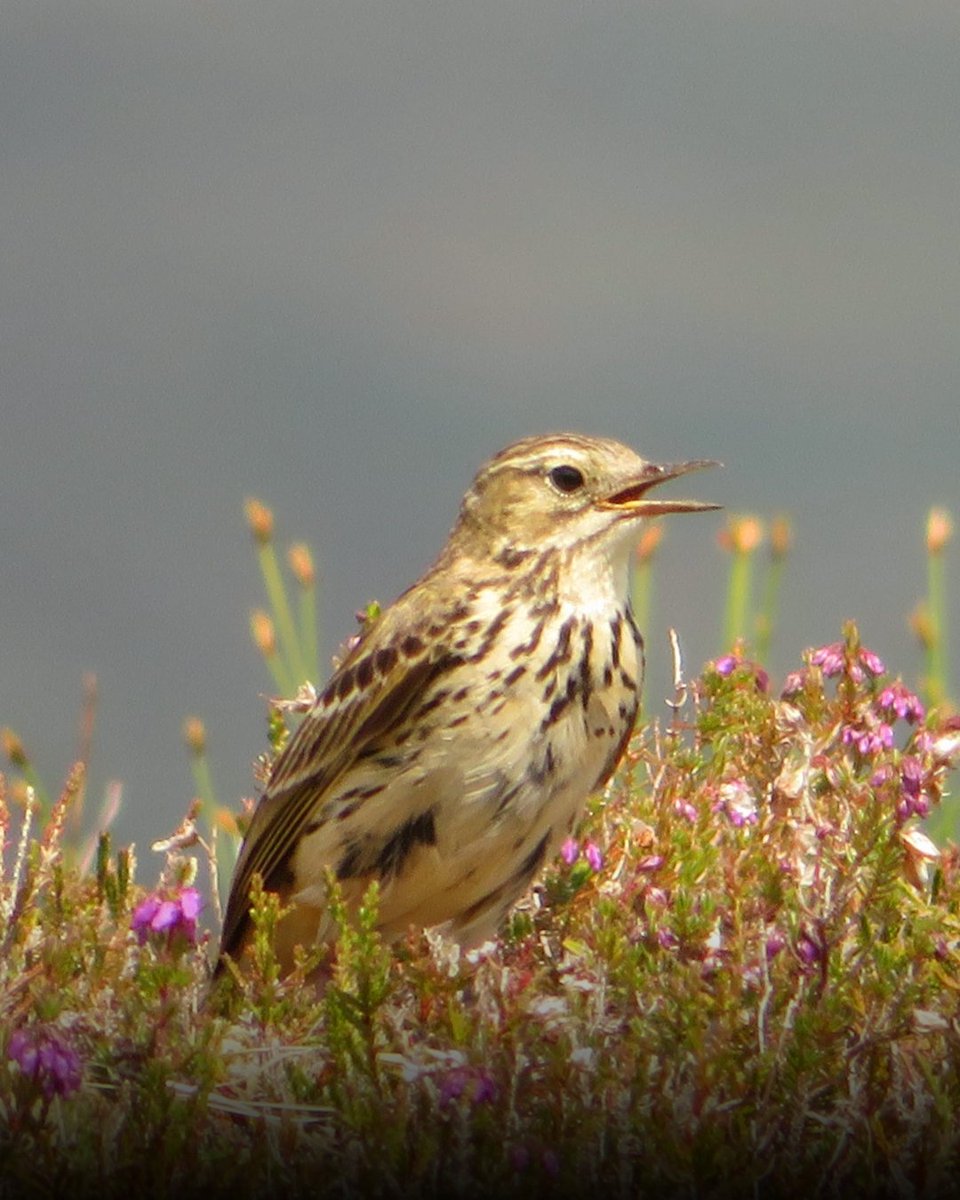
<point>345,724</point>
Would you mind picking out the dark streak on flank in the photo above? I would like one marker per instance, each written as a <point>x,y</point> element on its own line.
<point>417,831</point>
<point>538,773</point>
<point>349,865</point>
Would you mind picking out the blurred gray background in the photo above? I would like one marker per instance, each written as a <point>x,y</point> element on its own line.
<point>336,254</point>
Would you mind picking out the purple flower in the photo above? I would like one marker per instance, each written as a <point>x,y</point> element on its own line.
<point>913,801</point>
<point>830,659</point>
<point>593,856</point>
<point>869,740</point>
<point>775,943</point>
<point>728,664</point>
<point>898,699</point>
<point>873,662</point>
<point>808,951</point>
<point>793,684</point>
<point>167,916</point>
<point>683,808</point>
<point>472,1083</point>
<point>570,851</point>
<point>44,1055</point>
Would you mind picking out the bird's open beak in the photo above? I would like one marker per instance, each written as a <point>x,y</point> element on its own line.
<point>632,500</point>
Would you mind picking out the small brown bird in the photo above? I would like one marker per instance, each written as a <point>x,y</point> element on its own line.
<point>454,748</point>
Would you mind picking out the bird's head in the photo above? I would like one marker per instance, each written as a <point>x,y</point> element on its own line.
<point>565,490</point>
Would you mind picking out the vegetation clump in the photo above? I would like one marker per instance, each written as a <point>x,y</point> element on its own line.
<point>740,977</point>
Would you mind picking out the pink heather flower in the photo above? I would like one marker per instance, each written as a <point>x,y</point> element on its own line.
<point>593,856</point>
<point>830,659</point>
<point>667,939</point>
<point>808,951</point>
<point>473,1083</point>
<point>650,862</point>
<point>868,741</point>
<point>793,684</point>
<point>775,943</point>
<point>898,699</point>
<point>873,662</point>
<point>913,801</point>
<point>170,916</point>
<point>44,1055</point>
<point>570,851</point>
<point>683,808</point>
<point>728,664</point>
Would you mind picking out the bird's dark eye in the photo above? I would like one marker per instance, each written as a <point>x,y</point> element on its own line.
<point>567,479</point>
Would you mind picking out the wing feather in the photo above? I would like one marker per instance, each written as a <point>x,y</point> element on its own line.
<point>346,724</point>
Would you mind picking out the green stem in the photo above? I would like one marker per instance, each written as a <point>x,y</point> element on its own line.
<point>738,599</point>
<point>203,784</point>
<point>769,607</point>
<point>308,633</point>
<point>289,650</point>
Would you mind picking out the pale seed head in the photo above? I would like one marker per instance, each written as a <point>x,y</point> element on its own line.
<point>939,530</point>
<point>259,518</point>
<point>301,564</point>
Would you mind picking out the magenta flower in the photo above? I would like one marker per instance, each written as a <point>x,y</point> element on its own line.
<point>683,808</point>
<point>872,662</point>
<point>830,659</point>
<point>570,851</point>
<point>728,664</point>
<point>897,699</point>
<point>793,684</point>
<point>45,1056</point>
<point>472,1083</point>
<point>913,800</point>
<point>774,944</point>
<point>168,916</point>
<point>593,855</point>
<point>868,740</point>
<point>808,951</point>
